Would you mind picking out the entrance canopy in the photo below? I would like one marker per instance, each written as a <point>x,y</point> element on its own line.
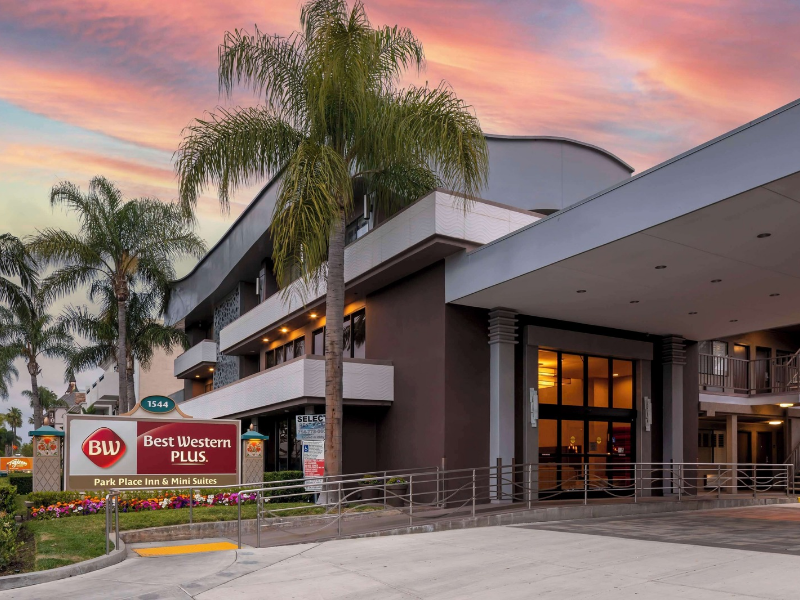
<point>704,245</point>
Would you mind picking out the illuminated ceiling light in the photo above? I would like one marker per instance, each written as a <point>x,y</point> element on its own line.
<point>211,369</point>
<point>716,280</point>
<point>786,405</point>
<point>284,330</point>
<point>265,340</point>
<point>616,374</point>
<point>659,267</point>
<point>197,375</point>
<point>548,371</point>
<point>313,315</point>
<point>546,384</point>
<point>775,422</point>
<point>581,292</point>
<point>763,235</point>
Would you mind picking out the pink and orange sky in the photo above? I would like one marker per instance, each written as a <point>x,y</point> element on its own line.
<point>105,86</point>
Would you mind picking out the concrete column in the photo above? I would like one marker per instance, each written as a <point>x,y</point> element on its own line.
<point>502,338</point>
<point>731,451</point>
<point>673,359</point>
<point>530,432</point>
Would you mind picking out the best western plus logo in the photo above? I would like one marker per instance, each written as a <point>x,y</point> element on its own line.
<point>103,447</point>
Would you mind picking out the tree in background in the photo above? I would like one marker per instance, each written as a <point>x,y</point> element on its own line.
<point>8,372</point>
<point>13,418</point>
<point>121,245</point>
<point>15,262</point>
<point>48,399</point>
<point>332,121</point>
<point>29,332</point>
<point>145,333</point>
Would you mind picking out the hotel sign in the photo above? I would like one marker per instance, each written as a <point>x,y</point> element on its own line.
<point>16,463</point>
<point>109,452</point>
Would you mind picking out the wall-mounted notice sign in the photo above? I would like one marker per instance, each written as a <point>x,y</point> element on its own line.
<point>310,427</point>
<point>313,464</point>
<point>107,452</point>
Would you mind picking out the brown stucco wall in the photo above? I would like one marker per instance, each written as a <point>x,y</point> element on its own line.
<point>406,324</point>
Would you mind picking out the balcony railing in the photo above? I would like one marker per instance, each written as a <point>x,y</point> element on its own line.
<point>779,375</point>
<point>203,354</point>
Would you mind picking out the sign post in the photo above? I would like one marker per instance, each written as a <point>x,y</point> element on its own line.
<point>311,434</point>
<point>153,445</point>
<point>253,456</point>
<point>47,458</point>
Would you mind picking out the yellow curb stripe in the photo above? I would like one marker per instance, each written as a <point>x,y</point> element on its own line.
<point>185,549</point>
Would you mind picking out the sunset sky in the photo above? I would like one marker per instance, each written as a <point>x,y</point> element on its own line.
<point>104,87</point>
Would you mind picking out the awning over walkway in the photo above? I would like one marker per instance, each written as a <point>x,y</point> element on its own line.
<point>704,245</point>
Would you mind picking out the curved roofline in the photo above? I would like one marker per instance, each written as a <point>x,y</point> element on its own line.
<point>555,138</point>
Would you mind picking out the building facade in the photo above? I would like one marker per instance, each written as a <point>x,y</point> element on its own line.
<point>572,314</point>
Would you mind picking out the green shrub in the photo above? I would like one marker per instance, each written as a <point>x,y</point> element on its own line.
<point>22,481</point>
<point>48,498</point>
<point>294,494</point>
<point>8,499</point>
<point>9,543</point>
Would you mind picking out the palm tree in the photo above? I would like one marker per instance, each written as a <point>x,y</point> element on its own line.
<point>332,121</point>
<point>28,331</point>
<point>145,333</point>
<point>15,261</point>
<point>13,418</point>
<point>8,372</point>
<point>121,244</point>
<point>48,399</point>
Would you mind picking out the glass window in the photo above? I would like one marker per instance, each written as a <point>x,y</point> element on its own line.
<point>548,370</point>
<point>278,355</point>
<point>300,346</point>
<point>622,392</point>
<point>288,350</point>
<point>359,334</point>
<point>572,437</point>
<point>598,437</point>
<point>598,383</point>
<point>270,359</point>
<point>620,439</point>
<point>571,380</point>
<point>347,350</point>
<point>548,437</point>
<point>318,342</point>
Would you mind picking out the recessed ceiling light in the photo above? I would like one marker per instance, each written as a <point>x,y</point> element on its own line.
<point>694,312</point>
<point>197,375</point>
<point>634,302</point>
<point>716,280</point>
<point>786,405</point>
<point>661,267</point>
<point>581,291</point>
<point>313,315</point>
<point>733,320</point>
<point>284,330</point>
<point>211,369</point>
<point>616,374</point>
<point>775,422</point>
<point>773,295</point>
<point>763,235</point>
<point>265,340</point>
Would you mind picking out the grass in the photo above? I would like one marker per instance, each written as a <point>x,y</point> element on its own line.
<point>69,540</point>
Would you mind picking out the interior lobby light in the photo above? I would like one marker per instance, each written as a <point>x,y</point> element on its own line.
<point>775,422</point>
<point>786,405</point>
<point>547,371</point>
<point>616,374</point>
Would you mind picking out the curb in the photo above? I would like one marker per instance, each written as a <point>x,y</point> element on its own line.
<point>11,582</point>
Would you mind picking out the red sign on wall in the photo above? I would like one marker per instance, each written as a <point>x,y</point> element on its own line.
<point>188,448</point>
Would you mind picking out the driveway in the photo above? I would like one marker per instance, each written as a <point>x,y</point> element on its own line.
<point>720,554</point>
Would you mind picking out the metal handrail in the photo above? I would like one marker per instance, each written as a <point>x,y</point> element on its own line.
<point>435,494</point>
<point>777,375</point>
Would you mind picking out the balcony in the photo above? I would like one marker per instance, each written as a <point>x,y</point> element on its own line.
<point>437,215</point>
<point>197,360</point>
<point>726,375</point>
<point>298,381</point>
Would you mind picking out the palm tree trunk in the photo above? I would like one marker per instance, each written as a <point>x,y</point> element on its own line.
<point>122,361</point>
<point>33,369</point>
<point>334,309</point>
<point>131,388</point>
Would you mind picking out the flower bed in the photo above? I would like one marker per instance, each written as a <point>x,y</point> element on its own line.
<point>93,505</point>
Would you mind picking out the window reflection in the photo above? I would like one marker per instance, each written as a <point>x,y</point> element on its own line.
<point>571,380</point>
<point>623,383</point>
<point>548,371</point>
<point>598,382</point>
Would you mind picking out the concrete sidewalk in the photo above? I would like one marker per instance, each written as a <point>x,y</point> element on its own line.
<point>493,562</point>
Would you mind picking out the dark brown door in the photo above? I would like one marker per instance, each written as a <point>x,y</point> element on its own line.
<point>741,369</point>
<point>764,447</point>
<point>761,372</point>
<point>744,454</point>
